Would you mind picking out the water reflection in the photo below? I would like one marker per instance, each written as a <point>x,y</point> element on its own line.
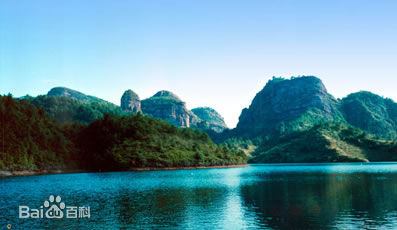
<point>319,196</point>
<point>313,201</point>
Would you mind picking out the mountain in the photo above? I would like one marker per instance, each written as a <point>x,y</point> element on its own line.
<point>285,105</point>
<point>328,142</point>
<point>210,118</point>
<point>63,91</point>
<point>297,120</point>
<point>70,105</point>
<point>167,106</point>
<point>31,139</point>
<point>69,109</point>
<point>371,113</point>
<point>130,102</point>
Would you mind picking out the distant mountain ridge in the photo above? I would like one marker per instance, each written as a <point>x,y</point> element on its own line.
<point>282,106</point>
<point>70,105</point>
<point>63,91</point>
<point>289,120</point>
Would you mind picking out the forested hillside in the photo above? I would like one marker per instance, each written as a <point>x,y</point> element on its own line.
<point>33,140</point>
<point>328,142</point>
<point>67,109</point>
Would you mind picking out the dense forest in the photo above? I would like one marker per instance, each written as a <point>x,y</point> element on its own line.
<point>68,109</point>
<point>326,142</point>
<point>32,139</point>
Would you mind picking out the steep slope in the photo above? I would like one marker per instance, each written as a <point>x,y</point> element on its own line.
<point>67,105</point>
<point>122,142</point>
<point>130,102</point>
<point>328,142</point>
<point>63,91</point>
<point>284,106</point>
<point>371,113</point>
<point>210,119</point>
<point>68,109</point>
<point>30,139</point>
<point>167,106</point>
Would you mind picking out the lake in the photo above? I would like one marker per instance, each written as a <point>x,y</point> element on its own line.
<point>263,196</point>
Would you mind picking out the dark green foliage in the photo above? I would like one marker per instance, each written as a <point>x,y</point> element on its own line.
<point>116,143</point>
<point>164,100</point>
<point>210,119</point>
<point>161,98</point>
<point>327,142</point>
<point>209,114</point>
<point>166,95</point>
<point>30,139</point>
<point>68,109</point>
<point>371,113</point>
<point>63,91</point>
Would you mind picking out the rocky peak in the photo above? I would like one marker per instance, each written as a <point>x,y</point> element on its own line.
<point>167,94</point>
<point>66,92</point>
<point>166,105</point>
<point>130,102</point>
<point>283,101</point>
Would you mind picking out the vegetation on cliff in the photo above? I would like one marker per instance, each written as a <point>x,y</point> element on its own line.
<point>287,105</point>
<point>67,109</point>
<point>130,102</point>
<point>289,120</point>
<point>297,120</point>
<point>167,106</point>
<point>66,92</point>
<point>210,119</point>
<point>122,142</point>
<point>31,140</point>
<point>327,142</point>
<point>372,113</point>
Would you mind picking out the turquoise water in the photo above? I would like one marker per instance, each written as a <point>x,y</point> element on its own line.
<point>277,196</point>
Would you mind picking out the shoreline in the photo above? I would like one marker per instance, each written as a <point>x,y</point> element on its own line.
<point>188,167</point>
<point>4,174</point>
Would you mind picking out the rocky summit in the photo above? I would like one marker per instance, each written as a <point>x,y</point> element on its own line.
<point>130,102</point>
<point>63,91</point>
<point>210,119</point>
<point>167,106</point>
<point>284,103</point>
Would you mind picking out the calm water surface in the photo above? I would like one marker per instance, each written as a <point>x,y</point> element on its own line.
<point>277,196</point>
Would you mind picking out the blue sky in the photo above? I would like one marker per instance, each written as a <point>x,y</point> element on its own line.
<point>210,53</point>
